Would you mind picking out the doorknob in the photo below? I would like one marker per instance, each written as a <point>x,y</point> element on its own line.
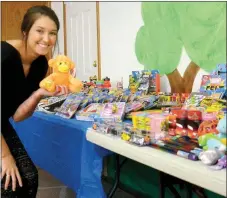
<point>94,64</point>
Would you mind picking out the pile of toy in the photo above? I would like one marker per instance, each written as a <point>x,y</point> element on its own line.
<point>192,126</point>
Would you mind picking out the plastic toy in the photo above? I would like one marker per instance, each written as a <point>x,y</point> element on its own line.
<point>106,83</point>
<point>61,75</point>
<point>93,78</point>
<point>208,126</point>
<point>125,136</point>
<point>92,81</point>
<point>140,140</point>
<point>120,84</point>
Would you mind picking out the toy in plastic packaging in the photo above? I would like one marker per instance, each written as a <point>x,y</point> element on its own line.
<point>70,106</point>
<point>108,127</point>
<point>134,106</point>
<point>158,122</point>
<point>85,102</point>
<point>181,121</point>
<point>127,132</point>
<point>194,100</point>
<point>194,119</point>
<point>114,110</point>
<point>154,82</point>
<point>168,100</point>
<point>51,105</point>
<point>140,139</point>
<point>214,84</point>
<point>91,112</point>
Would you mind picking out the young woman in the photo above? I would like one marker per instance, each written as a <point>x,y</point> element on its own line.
<point>24,65</point>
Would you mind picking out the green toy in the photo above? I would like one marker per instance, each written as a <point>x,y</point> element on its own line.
<point>210,141</point>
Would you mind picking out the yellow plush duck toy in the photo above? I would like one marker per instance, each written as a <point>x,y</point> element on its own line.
<point>61,65</point>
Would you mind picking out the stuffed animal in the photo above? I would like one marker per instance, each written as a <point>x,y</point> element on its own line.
<point>221,127</point>
<point>61,75</point>
<point>211,141</point>
<point>210,157</point>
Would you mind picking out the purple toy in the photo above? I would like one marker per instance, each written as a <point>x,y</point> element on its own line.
<point>221,163</point>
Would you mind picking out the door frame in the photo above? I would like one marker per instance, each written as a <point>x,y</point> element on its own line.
<point>98,36</point>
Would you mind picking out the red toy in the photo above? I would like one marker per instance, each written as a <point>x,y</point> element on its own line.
<point>181,121</point>
<point>194,120</point>
<point>106,83</point>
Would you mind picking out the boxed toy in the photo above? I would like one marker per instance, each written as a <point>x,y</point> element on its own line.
<point>147,81</point>
<point>91,112</point>
<point>114,110</point>
<point>214,85</point>
<point>70,106</point>
<point>50,105</point>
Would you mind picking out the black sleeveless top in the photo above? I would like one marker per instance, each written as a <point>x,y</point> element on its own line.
<point>15,87</point>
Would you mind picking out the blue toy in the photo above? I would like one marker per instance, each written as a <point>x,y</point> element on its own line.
<point>222,127</point>
<point>210,141</point>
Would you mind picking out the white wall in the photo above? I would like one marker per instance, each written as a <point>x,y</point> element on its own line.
<point>119,23</point>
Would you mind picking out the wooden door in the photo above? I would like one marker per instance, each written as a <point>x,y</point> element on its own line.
<point>12,15</point>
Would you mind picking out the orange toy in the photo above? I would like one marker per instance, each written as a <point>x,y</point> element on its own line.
<point>208,126</point>
<point>61,75</point>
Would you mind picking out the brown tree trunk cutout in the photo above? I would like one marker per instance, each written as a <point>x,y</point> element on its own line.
<point>176,82</point>
<point>189,76</point>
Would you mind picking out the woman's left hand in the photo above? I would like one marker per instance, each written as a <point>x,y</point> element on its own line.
<point>60,90</point>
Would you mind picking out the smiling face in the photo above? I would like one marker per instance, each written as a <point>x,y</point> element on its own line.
<point>42,36</point>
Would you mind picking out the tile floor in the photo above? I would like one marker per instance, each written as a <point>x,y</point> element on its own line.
<point>49,187</point>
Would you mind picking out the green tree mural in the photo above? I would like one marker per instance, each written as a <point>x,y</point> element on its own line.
<point>199,27</point>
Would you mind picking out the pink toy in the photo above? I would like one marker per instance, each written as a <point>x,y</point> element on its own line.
<point>157,121</point>
<point>208,116</point>
<point>113,110</point>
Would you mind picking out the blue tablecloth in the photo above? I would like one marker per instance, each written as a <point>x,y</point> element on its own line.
<point>59,146</point>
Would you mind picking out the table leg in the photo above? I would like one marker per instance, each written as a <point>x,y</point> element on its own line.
<point>174,191</point>
<point>117,176</point>
<point>118,166</point>
<point>161,185</point>
<point>166,180</point>
<point>199,191</point>
<point>188,190</point>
